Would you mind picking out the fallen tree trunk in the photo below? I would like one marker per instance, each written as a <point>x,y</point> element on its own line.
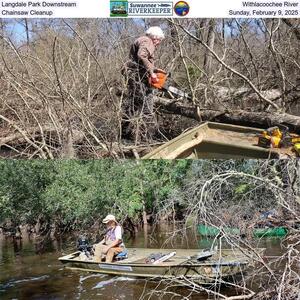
<point>237,117</point>
<point>34,134</point>
<point>31,133</point>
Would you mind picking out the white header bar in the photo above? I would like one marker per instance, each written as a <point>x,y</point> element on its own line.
<point>150,9</point>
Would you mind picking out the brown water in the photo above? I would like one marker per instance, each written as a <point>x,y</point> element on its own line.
<point>26,272</point>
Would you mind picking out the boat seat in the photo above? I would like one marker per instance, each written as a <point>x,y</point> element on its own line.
<point>122,255</point>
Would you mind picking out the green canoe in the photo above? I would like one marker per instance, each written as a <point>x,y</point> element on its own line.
<point>267,232</point>
<point>211,231</point>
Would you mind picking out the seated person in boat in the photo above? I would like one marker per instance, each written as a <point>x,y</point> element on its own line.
<point>112,243</point>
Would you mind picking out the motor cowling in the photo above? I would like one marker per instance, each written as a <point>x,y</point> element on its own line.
<point>83,245</point>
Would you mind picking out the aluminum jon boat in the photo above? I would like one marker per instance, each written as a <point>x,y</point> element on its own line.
<point>217,141</point>
<point>221,265</point>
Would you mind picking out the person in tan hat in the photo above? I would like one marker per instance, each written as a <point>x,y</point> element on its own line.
<point>112,243</point>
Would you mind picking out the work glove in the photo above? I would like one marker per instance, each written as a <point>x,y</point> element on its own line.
<point>154,78</point>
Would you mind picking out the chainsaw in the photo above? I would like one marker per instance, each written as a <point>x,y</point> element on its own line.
<point>160,83</point>
<point>275,137</point>
<point>279,137</point>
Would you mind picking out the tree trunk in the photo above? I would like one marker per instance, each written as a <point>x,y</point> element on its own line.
<point>207,64</point>
<point>27,33</point>
<point>68,151</point>
<point>145,221</point>
<point>238,117</point>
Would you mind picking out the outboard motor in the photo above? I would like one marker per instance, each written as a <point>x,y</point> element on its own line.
<point>84,246</point>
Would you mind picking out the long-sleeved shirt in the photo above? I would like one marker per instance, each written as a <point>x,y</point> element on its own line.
<point>142,53</point>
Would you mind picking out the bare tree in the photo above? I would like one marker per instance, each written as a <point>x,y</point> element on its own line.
<point>62,89</point>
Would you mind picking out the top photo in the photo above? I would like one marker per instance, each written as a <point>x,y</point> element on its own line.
<point>149,88</point>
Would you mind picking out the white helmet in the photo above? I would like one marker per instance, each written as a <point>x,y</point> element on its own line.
<point>155,32</point>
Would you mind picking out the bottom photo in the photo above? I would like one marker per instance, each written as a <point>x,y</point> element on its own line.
<point>150,229</point>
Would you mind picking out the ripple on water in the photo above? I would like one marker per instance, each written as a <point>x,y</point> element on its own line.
<point>83,278</point>
<point>14,282</point>
<point>104,283</point>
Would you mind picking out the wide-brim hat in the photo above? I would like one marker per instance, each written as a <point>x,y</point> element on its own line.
<point>109,218</point>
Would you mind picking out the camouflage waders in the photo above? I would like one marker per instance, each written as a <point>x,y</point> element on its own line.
<point>139,122</point>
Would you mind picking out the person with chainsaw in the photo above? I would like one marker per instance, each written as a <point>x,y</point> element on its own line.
<point>112,243</point>
<point>140,72</point>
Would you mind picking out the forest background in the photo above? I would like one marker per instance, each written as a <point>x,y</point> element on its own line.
<point>55,197</point>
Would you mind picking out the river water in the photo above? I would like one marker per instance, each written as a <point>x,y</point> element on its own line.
<point>27,272</point>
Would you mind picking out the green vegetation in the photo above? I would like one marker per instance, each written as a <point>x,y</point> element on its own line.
<point>76,194</point>
<point>73,195</point>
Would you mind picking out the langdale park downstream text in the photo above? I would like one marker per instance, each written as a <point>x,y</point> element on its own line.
<point>34,8</point>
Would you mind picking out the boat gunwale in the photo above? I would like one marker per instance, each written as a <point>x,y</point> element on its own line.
<point>204,280</point>
<point>156,153</point>
<point>67,259</point>
<point>212,264</point>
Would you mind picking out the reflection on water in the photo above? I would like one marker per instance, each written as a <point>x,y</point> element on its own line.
<point>27,272</point>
